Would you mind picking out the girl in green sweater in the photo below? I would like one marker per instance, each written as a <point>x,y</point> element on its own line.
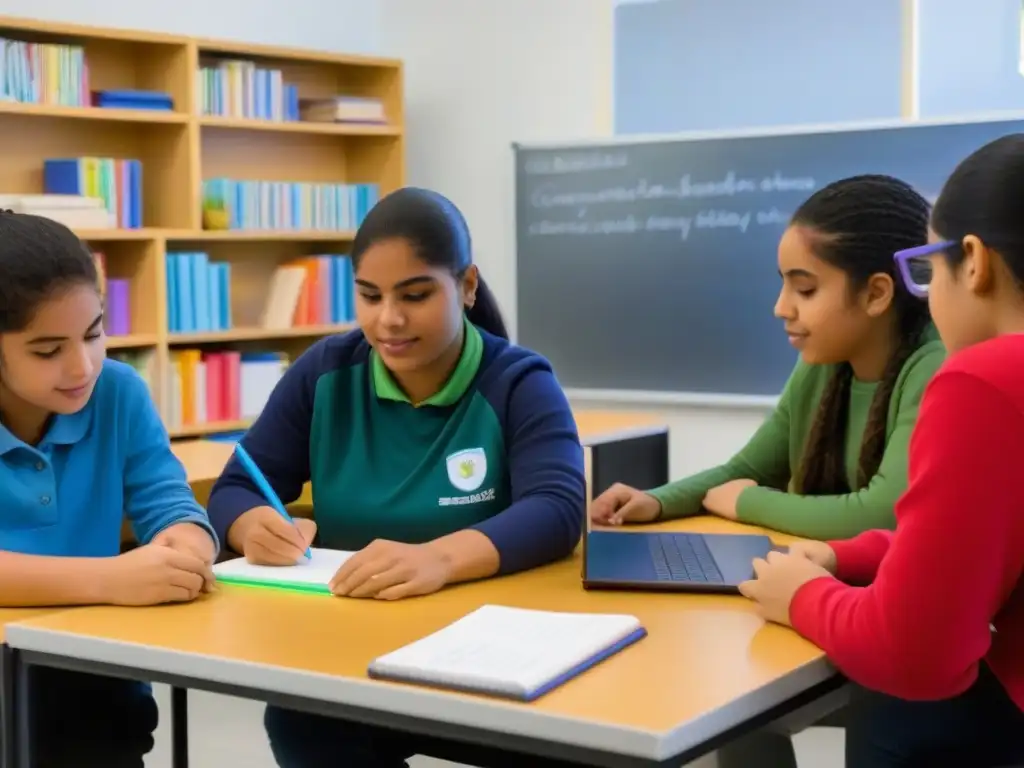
<point>831,460</point>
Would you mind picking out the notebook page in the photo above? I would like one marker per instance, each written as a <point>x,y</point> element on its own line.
<point>508,649</point>
<point>318,570</point>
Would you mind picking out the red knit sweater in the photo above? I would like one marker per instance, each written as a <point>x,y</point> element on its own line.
<point>916,613</point>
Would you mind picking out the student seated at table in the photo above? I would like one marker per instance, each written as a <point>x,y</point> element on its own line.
<point>81,447</point>
<point>929,619</point>
<point>831,459</point>
<point>436,448</point>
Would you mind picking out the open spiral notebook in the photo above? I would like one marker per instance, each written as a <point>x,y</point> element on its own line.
<point>513,653</point>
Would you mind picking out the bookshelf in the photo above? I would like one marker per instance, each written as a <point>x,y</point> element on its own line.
<point>306,184</point>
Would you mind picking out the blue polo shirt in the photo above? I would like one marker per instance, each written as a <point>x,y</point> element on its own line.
<point>68,495</point>
<point>495,450</point>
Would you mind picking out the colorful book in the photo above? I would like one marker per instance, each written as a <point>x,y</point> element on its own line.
<point>118,183</point>
<point>243,89</point>
<point>284,205</point>
<point>198,293</point>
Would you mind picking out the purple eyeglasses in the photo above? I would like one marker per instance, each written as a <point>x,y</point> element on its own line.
<point>915,270</point>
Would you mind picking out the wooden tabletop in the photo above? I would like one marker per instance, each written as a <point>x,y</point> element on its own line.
<point>204,459</point>
<point>10,615</point>
<point>708,662</point>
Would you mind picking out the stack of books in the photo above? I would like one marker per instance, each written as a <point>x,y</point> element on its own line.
<point>283,205</point>
<point>198,293</point>
<point>317,290</point>
<point>43,73</point>
<point>221,386</point>
<point>243,89</point>
<point>344,109</point>
<point>118,183</point>
<point>73,211</point>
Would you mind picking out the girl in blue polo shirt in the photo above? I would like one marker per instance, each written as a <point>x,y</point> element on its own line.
<point>81,448</point>
<point>436,448</point>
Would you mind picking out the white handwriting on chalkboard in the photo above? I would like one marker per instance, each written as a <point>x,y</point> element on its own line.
<point>711,218</point>
<point>578,162</point>
<point>548,196</point>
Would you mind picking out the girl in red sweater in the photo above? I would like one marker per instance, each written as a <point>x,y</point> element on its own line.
<point>929,620</point>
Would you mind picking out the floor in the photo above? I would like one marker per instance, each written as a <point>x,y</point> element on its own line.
<point>226,731</point>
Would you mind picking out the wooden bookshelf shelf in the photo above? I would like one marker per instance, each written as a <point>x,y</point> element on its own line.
<point>262,235</point>
<point>298,126</point>
<point>180,151</point>
<point>257,334</point>
<point>92,113</point>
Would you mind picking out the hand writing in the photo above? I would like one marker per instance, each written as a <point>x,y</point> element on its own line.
<point>390,570</point>
<point>776,581</point>
<point>722,499</point>
<point>266,538</point>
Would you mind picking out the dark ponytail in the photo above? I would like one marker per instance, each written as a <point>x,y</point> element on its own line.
<point>982,198</point>
<point>432,224</point>
<point>484,313</point>
<point>857,224</point>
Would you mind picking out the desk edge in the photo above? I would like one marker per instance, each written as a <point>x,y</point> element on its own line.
<point>421,703</point>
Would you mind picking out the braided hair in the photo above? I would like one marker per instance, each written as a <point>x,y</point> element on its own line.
<point>857,224</point>
<point>39,258</point>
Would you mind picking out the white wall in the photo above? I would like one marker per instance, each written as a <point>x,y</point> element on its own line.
<point>482,74</point>
<point>338,25</point>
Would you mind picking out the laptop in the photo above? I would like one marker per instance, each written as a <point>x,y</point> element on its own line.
<point>680,562</point>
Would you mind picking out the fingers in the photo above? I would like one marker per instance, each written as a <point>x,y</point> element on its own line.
<point>775,557</point>
<point>286,530</point>
<point>399,591</point>
<point>605,506</point>
<point>192,583</point>
<point>627,510</point>
<point>378,582</point>
<point>277,542</point>
<point>272,552</point>
<point>749,589</point>
<point>307,529</point>
<point>352,581</point>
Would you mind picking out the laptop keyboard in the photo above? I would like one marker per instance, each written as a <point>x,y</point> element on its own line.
<point>683,558</point>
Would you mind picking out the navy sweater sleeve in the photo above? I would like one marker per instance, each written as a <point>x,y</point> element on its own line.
<point>545,461</point>
<point>278,442</point>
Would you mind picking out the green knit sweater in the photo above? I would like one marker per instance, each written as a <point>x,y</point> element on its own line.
<point>773,455</point>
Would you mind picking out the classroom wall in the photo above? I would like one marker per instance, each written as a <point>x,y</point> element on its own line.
<point>970,55</point>
<point>710,64</point>
<point>338,25</point>
<point>719,64</point>
<point>480,75</point>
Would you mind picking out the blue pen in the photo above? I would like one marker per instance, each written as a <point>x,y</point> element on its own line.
<point>264,486</point>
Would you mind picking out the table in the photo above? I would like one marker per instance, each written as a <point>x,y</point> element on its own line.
<point>8,739</point>
<point>709,670</point>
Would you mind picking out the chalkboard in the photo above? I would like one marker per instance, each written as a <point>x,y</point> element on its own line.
<point>650,265</point>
